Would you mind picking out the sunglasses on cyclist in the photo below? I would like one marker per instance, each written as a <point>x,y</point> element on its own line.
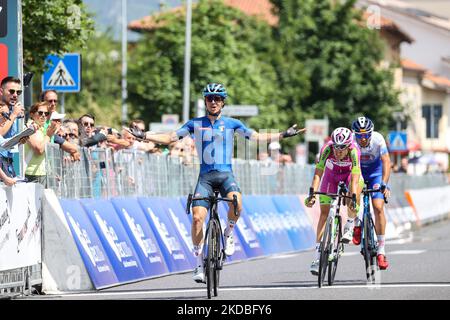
<point>12,91</point>
<point>42,113</point>
<point>363,135</point>
<point>340,146</point>
<point>214,98</point>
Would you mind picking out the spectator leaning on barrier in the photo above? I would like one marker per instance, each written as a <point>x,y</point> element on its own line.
<point>72,133</point>
<point>35,147</point>
<point>9,181</point>
<point>10,90</point>
<point>89,137</point>
<point>56,120</point>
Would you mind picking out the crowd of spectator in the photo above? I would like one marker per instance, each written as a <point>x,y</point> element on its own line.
<point>70,134</point>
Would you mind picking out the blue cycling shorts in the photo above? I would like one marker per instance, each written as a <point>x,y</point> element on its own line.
<point>374,182</point>
<point>209,181</point>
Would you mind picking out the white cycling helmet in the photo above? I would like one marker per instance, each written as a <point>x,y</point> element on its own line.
<point>342,137</point>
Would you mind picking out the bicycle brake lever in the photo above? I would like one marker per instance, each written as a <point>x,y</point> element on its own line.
<point>188,204</point>
<point>235,203</point>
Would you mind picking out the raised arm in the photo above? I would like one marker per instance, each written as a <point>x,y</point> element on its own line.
<point>292,131</point>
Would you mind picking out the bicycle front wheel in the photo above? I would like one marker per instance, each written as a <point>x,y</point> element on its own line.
<point>209,260</point>
<point>324,250</point>
<point>369,250</point>
<point>336,249</point>
<point>216,255</point>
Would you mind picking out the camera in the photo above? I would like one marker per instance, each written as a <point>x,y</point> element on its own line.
<point>110,131</point>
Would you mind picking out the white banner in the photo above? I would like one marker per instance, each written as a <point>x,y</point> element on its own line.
<point>20,225</point>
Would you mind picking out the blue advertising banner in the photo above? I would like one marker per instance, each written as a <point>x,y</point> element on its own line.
<point>89,245</point>
<point>141,235</point>
<point>114,238</point>
<point>309,233</point>
<point>181,223</point>
<point>295,226</point>
<point>175,256</point>
<point>239,252</point>
<point>261,224</point>
<point>282,228</point>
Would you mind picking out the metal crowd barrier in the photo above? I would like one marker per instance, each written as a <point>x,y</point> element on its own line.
<point>102,173</point>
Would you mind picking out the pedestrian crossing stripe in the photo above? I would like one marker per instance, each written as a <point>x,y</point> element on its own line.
<point>60,77</point>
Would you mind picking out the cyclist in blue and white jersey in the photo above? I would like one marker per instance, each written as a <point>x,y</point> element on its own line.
<point>214,140</point>
<point>375,168</point>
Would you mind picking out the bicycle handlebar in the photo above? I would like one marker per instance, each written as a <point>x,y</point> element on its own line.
<point>213,199</point>
<point>332,195</point>
<point>373,191</point>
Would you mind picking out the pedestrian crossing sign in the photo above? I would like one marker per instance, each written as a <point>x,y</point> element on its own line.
<point>63,73</point>
<point>397,141</point>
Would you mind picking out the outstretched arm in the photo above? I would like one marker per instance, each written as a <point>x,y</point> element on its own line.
<point>292,131</point>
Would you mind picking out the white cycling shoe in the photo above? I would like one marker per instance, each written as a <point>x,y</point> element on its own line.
<point>198,275</point>
<point>314,268</point>
<point>229,245</point>
<point>347,236</point>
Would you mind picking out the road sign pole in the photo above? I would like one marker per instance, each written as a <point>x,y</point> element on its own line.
<point>62,102</point>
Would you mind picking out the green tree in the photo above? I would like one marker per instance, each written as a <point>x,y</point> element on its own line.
<point>227,47</point>
<point>53,27</point>
<point>326,40</point>
<point>100,92</point>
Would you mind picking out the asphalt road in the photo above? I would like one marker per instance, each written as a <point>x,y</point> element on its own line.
<point>419,269</point>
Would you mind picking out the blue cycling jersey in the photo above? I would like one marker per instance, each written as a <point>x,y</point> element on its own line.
<point>214,141</point>
<point>371,164</point>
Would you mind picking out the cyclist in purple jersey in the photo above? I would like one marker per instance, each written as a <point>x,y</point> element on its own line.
<point>376,168</point>
<point>214,139</point>
<point>338,161</point>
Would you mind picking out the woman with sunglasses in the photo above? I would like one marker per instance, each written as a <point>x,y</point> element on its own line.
<point>338,161</point>
<point>35,147</point>
<point>376,169</point>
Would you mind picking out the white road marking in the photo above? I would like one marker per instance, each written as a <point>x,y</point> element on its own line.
<point>405,252</point>
<point>202,290</point>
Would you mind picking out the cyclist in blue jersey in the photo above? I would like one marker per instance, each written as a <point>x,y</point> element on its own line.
<point>214,139</point>
<point>375,168</point>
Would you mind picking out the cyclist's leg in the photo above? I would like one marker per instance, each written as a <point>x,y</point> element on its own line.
<point>199,213</point>
<point>380,221</point>
<point>229,188</point>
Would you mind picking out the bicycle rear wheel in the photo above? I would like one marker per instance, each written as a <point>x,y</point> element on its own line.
<point>369,249</point>
<point>335,251</point>
<point>324,252</point>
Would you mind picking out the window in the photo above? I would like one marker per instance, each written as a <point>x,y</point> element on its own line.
<point>432,115</point>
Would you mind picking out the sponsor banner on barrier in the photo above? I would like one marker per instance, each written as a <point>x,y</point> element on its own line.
<point>430,204</point>
<point>168,238</point>
<point>114,238</point>
<point>299,228</point>
<point>282,227</point>
<point>305,223</point>
<point>20,225</point>
<point>239,253</point>
<point>141,235</point>
<point>89,245</point>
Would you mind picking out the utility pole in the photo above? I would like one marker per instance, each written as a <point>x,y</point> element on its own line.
<point>124,63</point>
<point>187,61</point>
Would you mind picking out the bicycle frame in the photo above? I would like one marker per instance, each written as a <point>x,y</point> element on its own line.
<point>213,255</point>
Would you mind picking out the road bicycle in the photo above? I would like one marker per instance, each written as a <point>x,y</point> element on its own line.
<point>331,247</point>
<point>368,244</point>
<point>213,245</point>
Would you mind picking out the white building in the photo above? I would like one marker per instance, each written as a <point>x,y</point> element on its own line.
<point>430,31</point>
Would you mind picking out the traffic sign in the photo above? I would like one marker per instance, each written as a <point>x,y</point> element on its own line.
<point>316,129</point>
<point>3,18</point>
<point>64,74</point>
<point>397,141</point>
